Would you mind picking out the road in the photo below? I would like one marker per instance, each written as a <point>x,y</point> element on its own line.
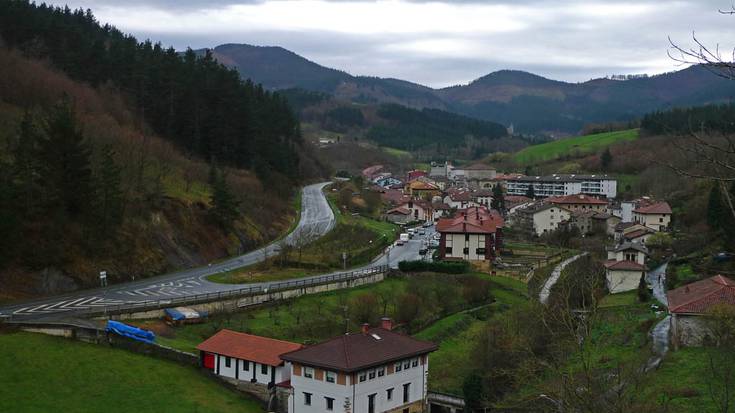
<point>660,333</point>
<point>316,220</point>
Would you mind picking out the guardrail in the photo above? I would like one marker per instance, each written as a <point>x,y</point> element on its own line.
<point>221,295</point>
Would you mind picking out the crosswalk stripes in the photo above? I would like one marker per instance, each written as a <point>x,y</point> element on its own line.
<point>82,303</point>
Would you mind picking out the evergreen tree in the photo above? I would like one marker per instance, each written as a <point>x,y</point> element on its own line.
<point>474,392</point>
<point>65,171</point>
<point>108,195</point>
<point>531,192</point>
<point>26,166</point>
<point>643,295</point>
<point>606,159</point>
<point>224,204</point>
<point>715,208</point>
<point>498,202</point>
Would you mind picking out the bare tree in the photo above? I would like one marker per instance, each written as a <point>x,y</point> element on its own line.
<point>707,157</point>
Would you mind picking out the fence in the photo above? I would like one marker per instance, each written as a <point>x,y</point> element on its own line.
<point>274,287</point>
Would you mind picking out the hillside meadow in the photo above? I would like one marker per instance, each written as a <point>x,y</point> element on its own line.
<point>572,147</point>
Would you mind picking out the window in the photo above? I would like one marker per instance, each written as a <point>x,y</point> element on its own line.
<point>363,377</point>
<point>307,399</point>
<point>448,250</point>
<point>480,251</point>
<point>330,403</point>
<point>228,362</point>
<point>466,250</point>
<point>246,365</point>
<point>661,219</point>
<point>264,368</point>
<point>466,237</point>
<point>371,403</point>
<point>389,394</point>
<point>415,362</point>
<point>406,364</point>
<point>406,390</point>
<point>330,376</point>
<point>371,374</point>
<point>381,372</point>
<point>308,372</point>
<point>399,367</point>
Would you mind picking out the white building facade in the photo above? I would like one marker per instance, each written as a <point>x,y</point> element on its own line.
<point>559,185</point>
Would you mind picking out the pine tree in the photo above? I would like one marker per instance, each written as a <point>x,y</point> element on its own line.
<point>643,290</point>
<point>108,201</point>
<point>498,202</point>
<point>224,204</point>
<point>65,171</point>
<point>26,166</point>
<point>715,208</point>
<point>606,159</point>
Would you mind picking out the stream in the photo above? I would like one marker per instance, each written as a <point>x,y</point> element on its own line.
<point>660,333</point>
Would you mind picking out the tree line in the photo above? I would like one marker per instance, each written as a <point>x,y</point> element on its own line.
<point>197,103</point>
<point>684,121</point>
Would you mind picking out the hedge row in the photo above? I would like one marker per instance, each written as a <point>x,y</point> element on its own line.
<point>458,267</point>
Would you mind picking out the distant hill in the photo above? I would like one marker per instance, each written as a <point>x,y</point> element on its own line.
<point>278,68</point>
<point>532,103</point>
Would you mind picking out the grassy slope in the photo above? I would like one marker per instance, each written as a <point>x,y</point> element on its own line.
<point>458,333</point>
<point>48,374</point>
<point>572,146</point>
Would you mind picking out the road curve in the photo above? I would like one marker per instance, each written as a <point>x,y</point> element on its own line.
<point>316,220</point>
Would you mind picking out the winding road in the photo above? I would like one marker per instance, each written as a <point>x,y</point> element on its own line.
<point>316,220</point>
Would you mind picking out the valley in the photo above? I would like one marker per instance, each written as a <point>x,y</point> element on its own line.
<point>238,228</point>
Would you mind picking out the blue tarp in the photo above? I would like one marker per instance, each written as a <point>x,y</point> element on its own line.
<point>129,331</point>
<point>184,313</point>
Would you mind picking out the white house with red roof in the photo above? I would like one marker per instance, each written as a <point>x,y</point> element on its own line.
<point>689,305</point>
<point>247,358</point>
<point>473,234</point>
<point>656,216</point>
<point>625,266</point>
<point>374,371</point>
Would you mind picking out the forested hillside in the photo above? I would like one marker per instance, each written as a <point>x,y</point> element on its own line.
<point>683,121</point>
<point>195,102</point>
<point>130,168</point>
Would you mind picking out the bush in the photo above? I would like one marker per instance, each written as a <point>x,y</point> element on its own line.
<point>459,267</point>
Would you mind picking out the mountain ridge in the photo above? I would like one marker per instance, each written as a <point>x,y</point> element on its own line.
<point>532,103</point>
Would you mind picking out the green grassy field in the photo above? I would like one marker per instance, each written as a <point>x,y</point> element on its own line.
<point>580,145</point>
<point>399,153</point>
<point>48,374</point>
<point>458,333</point>
<point>683,379</point>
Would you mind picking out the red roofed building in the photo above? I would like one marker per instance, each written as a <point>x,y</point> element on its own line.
<point>656,216</point>
<point>246,357</point>
<point>473,234</point>
<point>688,305</point>
<point>375,370</point>
<point>579,202</point>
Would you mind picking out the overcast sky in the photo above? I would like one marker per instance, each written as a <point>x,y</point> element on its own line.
<point>437,43</point>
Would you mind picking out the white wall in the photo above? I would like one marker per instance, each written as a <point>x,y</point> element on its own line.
<point>619,281</point>
<point>458,242</point>
<point>548,220</point>
<point>247,375</point>
<point>658,222</point>
<point>356,394</point>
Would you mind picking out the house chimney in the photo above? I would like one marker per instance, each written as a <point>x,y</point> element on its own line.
<point>386,323</point>
<point>365,328</point>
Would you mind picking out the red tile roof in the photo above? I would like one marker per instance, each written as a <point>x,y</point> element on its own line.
<point>243,346</point>
<point>657,208</point>
<point>638,233</point>
<point>576,199</point>
<point>401,210</point>
<point>474,220</point>
<point>478,167</point>
<point>624,265</point>
<point>353,352</point>
<point>698,297</point>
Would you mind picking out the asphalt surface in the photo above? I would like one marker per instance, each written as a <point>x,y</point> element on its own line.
<point>316,220</point>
